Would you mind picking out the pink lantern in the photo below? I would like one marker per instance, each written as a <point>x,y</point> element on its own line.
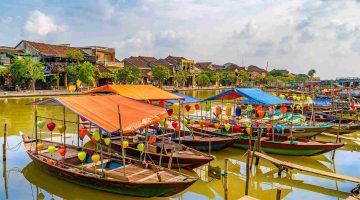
<point>170,111</point>
<point>51,126</point>
<point>174,124</point>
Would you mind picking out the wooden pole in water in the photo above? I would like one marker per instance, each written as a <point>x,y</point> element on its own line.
<point>338,131</point>
<point>4,144</point>
<point>226,179</point>
<point>248,161</point>
<point>36,137</point>
<point>278,194</point>
<point>122,141</point>
<point>101,155</point>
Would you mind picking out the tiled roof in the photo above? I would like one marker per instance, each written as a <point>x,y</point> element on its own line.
<point>203,65</point>
<point>148,59</point>
<point>10,50</point>
<point>103,69</point>
<point>50,49</point>
<point>253,68</point>
<point>136,62</point>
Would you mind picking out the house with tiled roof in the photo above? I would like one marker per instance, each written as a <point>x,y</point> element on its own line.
<point>6,53</point>
<point>255,71</point>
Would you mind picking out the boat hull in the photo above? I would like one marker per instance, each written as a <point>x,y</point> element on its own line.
<point>203,145</point>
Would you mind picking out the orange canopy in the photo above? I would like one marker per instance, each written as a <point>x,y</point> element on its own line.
<point>139,92</point>
<point>103,111</point>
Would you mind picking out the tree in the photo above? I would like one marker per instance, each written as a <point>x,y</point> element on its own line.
<point>129,74</point>
<point>203,79</point>
<point>4,71</point>
<point>277,72</point>
<point>161,73</point>
<point>311,73</point>
<point>26,68</point>
<point>231,78</point>
<point>301,77</point>
<point>181,77</point>
<point>84,72</point>
<point>74,54</point>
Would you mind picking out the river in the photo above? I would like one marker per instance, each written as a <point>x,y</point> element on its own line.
<point>25,181</point>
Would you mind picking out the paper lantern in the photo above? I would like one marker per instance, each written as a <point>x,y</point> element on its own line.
<point>51,126</point>
<point>268,127</point>
<point>125,144</point>
<point>216,125</point>
<point>238,111</point>
<point>82,119</point>
<point>61,128</point>
<point>40,146</point>
<point>82,156</point>
<point>192,122</point>
<point>271,110</point>
<point>93,139</point>
<point>175,106</point>
<point>228,105</point>
<point>156,126</point>
<point>249,108</point>
<point>258,108</point>
<point>197,106</point>
<point>248,130</point>
<point>107,141</point>
<point>140,147</point>
<point>236,128</point>
<point>62,152</point>
<point>185,121</point>
<point>282,96</point>
<point>207,123</point>
<point>257,123</point>
<point>261,113</point>
<point>40,124</point>
<point>228,111</point>
<point>95,158</point>
<point>227,127</point>
<point>208,108</point>
<point>162,103</point>
<point>218,110</point>
<point>170,112</point>
<point>162,122</point>
<point>51,149</point>
<point>83,132</point>
<point>174,124</point>
<point>308,98</point>
<point>187,107</point>
<point>96,135</point>
<point>201,122</point>
<point>298,107</point>
<point>283,110</point>
<point>298,98</point>
<point>306,107</point>
<point>177,129</point>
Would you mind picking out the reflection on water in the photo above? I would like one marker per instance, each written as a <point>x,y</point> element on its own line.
<point>26,181</point>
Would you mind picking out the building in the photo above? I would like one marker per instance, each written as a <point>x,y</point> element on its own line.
<point>182,64</point>
<point>141,62</point>
<point>256,72</point>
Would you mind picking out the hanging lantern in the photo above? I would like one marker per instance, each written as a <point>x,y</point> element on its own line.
<point>208,108</point>
<point>248,130</point>
<point>156,126</point>
<point>96,135</point>
<point>201,122</point>
<point>93,139</point>
<point>236,128</point>
<point>282,96</point>
<point>283,110</point>
<point>308,98</point>
<point>228,111</point>
<point>83,132</point>
<point>51,126</point>
<point>216,125</point>
<point>298,107</point>
<point>268,127</point>
<point>95,158</point>
<point>62,152</point>
<point>261,113</point>
<point>306,107</point>
<point>192,122</point>
<point>82,119</point>
<point>218,110</point>
<point>51,149</point>
<point>61,128</point>
<point>170,111</point>
<point>298,98</point>
<point>185,121</point>
<point>187,107</point>
<point>177,129</point>
<point>249,108</point>
<point>228,105</point>
<point>125,144</point>
<point>175,106</point>
<point>258,108</point>
<point>174,124</point>
<point>107,141</point>
<point>40,146</point>
<point>140,147</point>
<point>197,106</point>
<point>40,124</point>
<point>162,103</point>
<point>227,127</point>
<point>82,156</point>
<point>257,123</point>
<point>207,123</point>
<point>238,111</point>
<point>302,96</point>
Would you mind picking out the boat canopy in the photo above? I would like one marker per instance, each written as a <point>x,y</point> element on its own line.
<point>138,92</point>
<point>252,95</point>
<point>187,99</point>
<point>102,111</point>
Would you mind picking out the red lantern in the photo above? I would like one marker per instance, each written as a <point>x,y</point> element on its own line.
<point>177,129</point>
<point>258,108</point>
<point>284,105</point>
<point>207,123</point>
<point>283,110</point>
<point>174,124</point>
<point>197,106</point>
<point>188,107</point>
<point>236,128</point>
<point>291,98</point>
<point>93,139</point>
<point>268,127</point>
<point>150,101</point>
<point>257,123</point>
<point>83,132</point>
<point>162,103</point>
<point>306,107</point>
<point>170,111</point>
<point>261,113</point>
<point>62,152</point>
<point>156,126</point>
<point>51,126</point>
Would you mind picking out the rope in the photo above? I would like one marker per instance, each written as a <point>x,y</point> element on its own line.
<point>16,147</point>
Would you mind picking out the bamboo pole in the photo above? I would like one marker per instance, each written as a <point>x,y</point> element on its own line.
<point>36,137</point>
<point>163,145</point>
<point>78,131</point>
<point>226,178</point>
<point>248,161</point>
<point>101,155</point>
<point>64,124</point>
<point>4,144</point>
<point>122,141</point>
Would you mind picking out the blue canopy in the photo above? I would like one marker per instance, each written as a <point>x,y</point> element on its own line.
<point>187,99</point>
<point>253,96</point>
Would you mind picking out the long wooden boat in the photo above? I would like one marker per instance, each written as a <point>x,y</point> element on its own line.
<point>181,157</point>
<point>283,146</point>
<point>205,142</point>
<point>144,180</point>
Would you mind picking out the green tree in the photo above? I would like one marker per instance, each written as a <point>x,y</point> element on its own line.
<point>4,71</point>
<point>301,77</point>
<point>74,54</point>
<point>27,68</point>
<point>129,74</point>
<point>277,72</point>
<point>203,79</point>
<point>161,74</point>
<point>311,73</point>
<point>214,77</point>
<point>231,78</point>
<point>84,72</point>
<point>181,77</point>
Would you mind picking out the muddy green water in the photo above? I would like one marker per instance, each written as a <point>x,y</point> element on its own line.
<point>25,181</point>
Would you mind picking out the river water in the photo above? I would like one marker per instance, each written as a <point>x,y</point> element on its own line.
<point>25,181</point>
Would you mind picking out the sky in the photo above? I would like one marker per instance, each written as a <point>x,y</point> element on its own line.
<point>294,35</point>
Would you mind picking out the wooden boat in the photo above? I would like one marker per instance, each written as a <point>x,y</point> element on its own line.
<point>205,142</point>
<point>283,146</point>
<point>182,156</point>
<point>144,180</point>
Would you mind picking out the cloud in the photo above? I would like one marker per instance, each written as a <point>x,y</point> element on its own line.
<point>172,39</point>
<point>249,31</point>
<point>303,24</point>
<point>306,36</point>
<point>39,24</point>
<point>264,48</point>
<point>106,9</point>
<point>343,31</point>
<point>355,46</point>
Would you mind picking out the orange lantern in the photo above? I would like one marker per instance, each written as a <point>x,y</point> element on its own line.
<point>248,130</point>
<point>201,122</point>
<point>261,113</point>
<point>218,110</point>
<point>268,127</point>
<point>283,110</point>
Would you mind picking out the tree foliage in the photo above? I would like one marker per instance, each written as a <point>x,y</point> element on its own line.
<point>129,74</point>
<point>74,54</point>
<point>84,72</point>
<point>203,79</point>
<point>4,71</point>
<point>26,68</point>
<point>277,72</point>
<point>311,73</point>
<point>181,77</point>
<point>161,73</point>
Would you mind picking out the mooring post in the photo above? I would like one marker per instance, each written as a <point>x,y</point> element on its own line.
<point>4,144</point>
<point>226,179</point>
<point>278,194</point>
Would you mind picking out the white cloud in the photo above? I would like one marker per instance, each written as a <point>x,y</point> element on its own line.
<point>40,24</point>
<point>106,9</point>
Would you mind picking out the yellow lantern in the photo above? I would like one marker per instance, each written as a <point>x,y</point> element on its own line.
<point>192,121</point>
<point>95,158</point>
<point>201,122</point>
<point>125,144</point>
<point>40,146</point>
<point>175,106</point>
<point>248,130</point>
<point>216,125</point>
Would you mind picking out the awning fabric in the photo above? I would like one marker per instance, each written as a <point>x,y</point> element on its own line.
<point>187,99</point>
<point>253,95</point>
<point>103,111</point>
<point>138,92</point>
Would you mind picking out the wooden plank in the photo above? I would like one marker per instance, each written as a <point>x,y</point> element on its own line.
<point>149,177</point>
<point>340,136</point>
<point>140,172</point>
<point>306,169</point>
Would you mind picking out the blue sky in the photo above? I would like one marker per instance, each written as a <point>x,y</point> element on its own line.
<point>297,35</point>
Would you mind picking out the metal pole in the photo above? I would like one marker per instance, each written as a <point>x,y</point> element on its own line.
<point>122,140</point>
